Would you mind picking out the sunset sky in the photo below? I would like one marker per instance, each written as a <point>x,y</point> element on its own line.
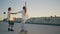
<point>35,8</point>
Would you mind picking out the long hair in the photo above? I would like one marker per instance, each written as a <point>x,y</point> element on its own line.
<point>25,9</point>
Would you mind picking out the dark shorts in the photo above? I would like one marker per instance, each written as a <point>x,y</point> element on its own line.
<point>11,23</point>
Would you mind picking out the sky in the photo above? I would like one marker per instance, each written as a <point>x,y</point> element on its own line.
<point>35,8</point>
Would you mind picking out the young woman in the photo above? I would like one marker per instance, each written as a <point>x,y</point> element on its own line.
<point>24,18</point>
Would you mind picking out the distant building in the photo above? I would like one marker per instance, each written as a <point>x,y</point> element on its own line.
<point>53,20</point>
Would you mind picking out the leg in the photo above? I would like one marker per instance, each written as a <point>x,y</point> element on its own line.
<point>12,28</point>
<point>23,28</point>
<point>12,25</point>
<point>9,26</point>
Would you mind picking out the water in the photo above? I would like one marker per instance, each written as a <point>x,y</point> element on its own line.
<point>32,29</point>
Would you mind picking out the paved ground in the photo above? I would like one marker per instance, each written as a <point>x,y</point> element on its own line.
<point>32,29</point>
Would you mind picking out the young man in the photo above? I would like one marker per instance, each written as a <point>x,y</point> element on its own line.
<point>10,20</point>
<point>24,18</point>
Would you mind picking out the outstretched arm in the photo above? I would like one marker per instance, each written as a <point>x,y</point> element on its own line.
<point>13,13</point>
<point>19,12</point>
<point>16,12</point>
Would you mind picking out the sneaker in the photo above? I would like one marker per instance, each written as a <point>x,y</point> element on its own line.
<point>8,29</point>
<point>11,30</point>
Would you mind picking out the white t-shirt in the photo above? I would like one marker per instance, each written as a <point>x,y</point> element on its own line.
<point>10,16</point>
<point>24,17</point>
